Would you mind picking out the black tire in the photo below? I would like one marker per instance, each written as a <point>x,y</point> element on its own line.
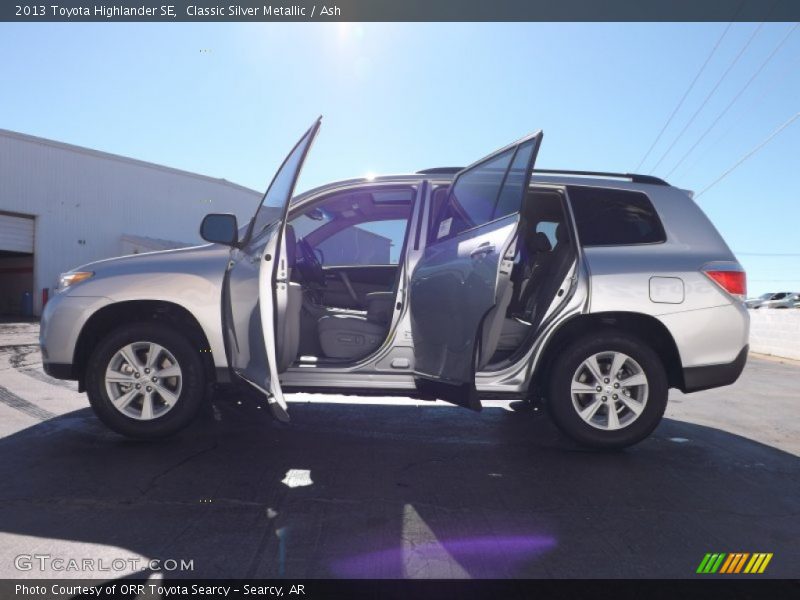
<point>193,384</point>
<point>565,415</point>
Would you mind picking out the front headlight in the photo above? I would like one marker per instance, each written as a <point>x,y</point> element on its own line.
<point>70,278</point>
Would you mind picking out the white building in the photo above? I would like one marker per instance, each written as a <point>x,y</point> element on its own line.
<point>62,206</point>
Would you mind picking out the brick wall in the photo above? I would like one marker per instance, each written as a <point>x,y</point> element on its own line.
<point>775,331</point>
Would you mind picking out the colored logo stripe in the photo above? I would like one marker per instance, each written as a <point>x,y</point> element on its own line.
<point>734,562</point>
<point>758,563</point>
<point>726,566</point>
<point>710,563</point>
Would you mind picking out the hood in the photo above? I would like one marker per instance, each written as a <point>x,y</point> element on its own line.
<point>162,260</point>
<point>125,275</point>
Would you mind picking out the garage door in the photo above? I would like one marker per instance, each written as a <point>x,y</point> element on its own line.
<point>16,233</point>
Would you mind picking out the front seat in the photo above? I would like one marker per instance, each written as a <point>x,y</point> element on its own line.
<point>351,336</point>
<point>288,321</point>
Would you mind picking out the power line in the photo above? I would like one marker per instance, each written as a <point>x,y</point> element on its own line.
<point>780,80</point>
<point>683,98</point>
<point>708,97</point>
<point>736,97</point>
<point>749,154</point>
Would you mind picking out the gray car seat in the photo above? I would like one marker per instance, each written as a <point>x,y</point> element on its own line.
<point>514,329</point>
<point>353,336</point>
<point>535,253</point>
<point>349,336</point>
<point>544,281</point>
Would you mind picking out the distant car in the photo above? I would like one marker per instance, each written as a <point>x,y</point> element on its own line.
<point>783,300</point>
<point>758,302</point>
<point>597,293</point>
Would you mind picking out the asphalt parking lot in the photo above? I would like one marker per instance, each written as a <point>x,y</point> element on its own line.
<point>387,489</point>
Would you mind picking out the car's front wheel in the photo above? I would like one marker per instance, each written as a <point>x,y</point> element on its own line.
<point>145,380</point>
<point>607,390</point>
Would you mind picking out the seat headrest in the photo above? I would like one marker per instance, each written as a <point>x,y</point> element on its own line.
<point>539,243</point>
<point>291,246</point>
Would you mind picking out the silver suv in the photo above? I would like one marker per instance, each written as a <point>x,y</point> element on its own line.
<point>592,292</point>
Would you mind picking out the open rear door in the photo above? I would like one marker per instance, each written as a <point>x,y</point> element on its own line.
<point>256,283</point>
<point>460,288</point>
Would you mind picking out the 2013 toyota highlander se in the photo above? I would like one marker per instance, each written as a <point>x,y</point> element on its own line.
<point>594,293</point>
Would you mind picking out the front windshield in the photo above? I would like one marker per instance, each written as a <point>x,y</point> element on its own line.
<point>280,190</point>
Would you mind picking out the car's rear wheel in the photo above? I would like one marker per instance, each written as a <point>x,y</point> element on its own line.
<point>145,380</point>
<point>607,390</point>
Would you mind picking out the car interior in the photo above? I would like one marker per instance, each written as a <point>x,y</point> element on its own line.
<point>543,261</point>
<point>344,255</point>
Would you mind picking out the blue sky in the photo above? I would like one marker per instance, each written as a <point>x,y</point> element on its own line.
<point>229,100</point>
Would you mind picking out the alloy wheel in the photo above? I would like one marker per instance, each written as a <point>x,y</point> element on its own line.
<point>609,390</point>
<point>143,380</point>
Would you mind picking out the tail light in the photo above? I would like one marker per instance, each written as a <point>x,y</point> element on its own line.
<point>733,282</point>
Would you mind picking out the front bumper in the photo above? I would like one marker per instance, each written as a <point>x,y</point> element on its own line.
<point>63,319</point>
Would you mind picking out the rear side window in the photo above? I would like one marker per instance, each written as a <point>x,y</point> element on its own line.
<point>488,191</point>
<point>471,200</point>
<point>615,217</point>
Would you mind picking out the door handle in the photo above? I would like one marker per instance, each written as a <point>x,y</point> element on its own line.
<point>484,248</point>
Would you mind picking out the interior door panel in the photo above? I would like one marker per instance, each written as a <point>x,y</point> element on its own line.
<point>362,280</point>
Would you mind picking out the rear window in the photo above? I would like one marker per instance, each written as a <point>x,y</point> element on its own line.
<point>615,217</point>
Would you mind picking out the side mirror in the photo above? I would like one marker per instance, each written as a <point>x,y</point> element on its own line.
<point>220,229</point>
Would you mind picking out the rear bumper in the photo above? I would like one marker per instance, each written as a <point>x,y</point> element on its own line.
<point>706,377</point>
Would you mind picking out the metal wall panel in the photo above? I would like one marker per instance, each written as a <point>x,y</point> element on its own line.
<point>85,201</point>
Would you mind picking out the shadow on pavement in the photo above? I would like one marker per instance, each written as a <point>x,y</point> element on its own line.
<point>394,491</point>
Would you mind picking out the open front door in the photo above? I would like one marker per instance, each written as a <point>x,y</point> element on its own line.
<point>460,288</point>
<point>257,283</point>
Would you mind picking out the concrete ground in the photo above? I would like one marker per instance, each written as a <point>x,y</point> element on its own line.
<point>395,489</point>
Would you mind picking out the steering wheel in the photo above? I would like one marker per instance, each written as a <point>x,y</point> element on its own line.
<point>308,263</point>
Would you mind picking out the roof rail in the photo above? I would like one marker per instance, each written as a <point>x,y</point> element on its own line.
<point>634,177</point>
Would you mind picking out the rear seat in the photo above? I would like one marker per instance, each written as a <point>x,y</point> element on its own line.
<point>535,288</point>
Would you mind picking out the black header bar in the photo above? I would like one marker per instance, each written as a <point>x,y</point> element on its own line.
<point>399,10</point>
